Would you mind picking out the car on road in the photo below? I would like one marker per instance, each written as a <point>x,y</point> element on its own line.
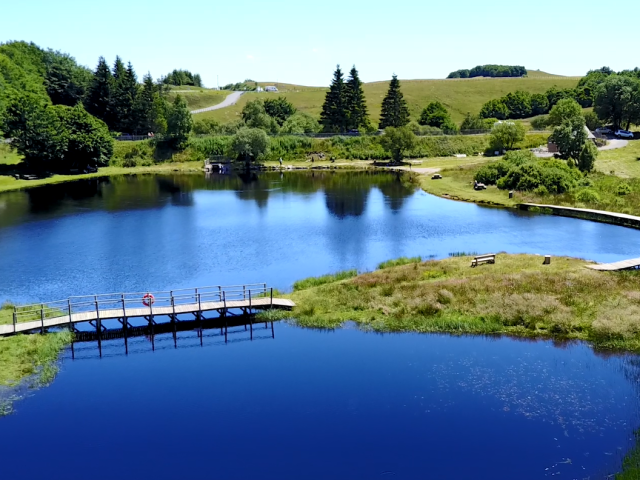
<point>603,130</point>
<point>624,134</point>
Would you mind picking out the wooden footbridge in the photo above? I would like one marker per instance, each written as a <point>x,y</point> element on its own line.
<point>632,264</point>
<point>94,309</point>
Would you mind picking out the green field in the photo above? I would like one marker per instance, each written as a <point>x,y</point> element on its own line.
<point>517,295</point>
<point>458,95</point>
<point>197,97</point>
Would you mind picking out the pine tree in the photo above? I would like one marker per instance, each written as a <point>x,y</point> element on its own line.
<point>355,102</point>
<point>179,123</point>
<point>395,112</point>
<point>123,97</point>
<point>334,114</point>
<point>98,101</point>
<point>150,108</point>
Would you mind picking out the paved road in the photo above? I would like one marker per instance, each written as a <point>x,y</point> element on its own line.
<point>231,99</point>
<point>613,144</point>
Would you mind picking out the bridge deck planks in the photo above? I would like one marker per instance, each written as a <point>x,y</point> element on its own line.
<point>612,267</point>
<point>112,314</point>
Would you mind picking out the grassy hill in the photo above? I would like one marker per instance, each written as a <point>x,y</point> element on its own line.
<point>459,95</point>
<point>197,97</point>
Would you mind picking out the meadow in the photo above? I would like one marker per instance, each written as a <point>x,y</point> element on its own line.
<point>517,295</point>
<point>458,95</point>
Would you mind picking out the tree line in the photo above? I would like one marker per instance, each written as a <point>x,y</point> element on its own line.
<point>345,107</point>
<point>614,96</point>
<point>490,71</point>
<point>182,77</point>
<point>53,108</point>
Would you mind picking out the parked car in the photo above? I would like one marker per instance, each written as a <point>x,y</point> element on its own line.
<point>603,130</point>
<point>624,134</point>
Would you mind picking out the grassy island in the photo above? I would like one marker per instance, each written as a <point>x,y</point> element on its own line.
<point>518,295</point>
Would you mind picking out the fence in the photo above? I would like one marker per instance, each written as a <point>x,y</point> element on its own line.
<point>117,305</point>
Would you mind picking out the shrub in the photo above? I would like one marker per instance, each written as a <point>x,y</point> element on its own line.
<point>592,120</point>
<point>490,173</point>
<point>588,196</point>
<point>541,190</point>
<point>555,175</point>
<point>540,122</point>
<point>623,189</point>
<point>519,157</point>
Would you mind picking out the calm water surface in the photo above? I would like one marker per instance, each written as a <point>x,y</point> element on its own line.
<point>301,404</point>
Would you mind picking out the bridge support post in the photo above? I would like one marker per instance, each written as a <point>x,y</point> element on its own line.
<point>42,320</point>
<point>15,318</point>
<point>69,311</point>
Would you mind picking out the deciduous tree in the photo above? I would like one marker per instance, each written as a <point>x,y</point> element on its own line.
<point>179,123</point>
<point>565,109</point>
<point>397,140</point>
<point>505,135</point>
<point>249,144</point>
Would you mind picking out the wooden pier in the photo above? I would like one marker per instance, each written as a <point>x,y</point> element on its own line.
<point>632,264</point>
<point>94,309</point>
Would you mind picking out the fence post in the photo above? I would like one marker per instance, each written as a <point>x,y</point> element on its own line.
<point>271,297</point>
<point>249,301</point>
<point>15,318</point>
<point>224,299</point>
<point>150,305</point>
<point>69,310</point>
<point>244,292</point>
<point>199,305</point>
<point>219,293</point>
<point>124,310</point>
<point>42,318</point>
<point>173,305</point>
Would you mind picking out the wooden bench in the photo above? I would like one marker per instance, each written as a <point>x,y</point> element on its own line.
<point>488,258</point>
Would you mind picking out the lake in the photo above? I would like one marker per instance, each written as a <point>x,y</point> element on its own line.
<point>297,403</point>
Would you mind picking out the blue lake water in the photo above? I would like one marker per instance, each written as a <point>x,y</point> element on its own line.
<point>301,403</point>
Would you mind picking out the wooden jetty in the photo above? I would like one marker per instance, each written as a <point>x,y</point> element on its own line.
<point>94,309</point>
<point>632,264</point>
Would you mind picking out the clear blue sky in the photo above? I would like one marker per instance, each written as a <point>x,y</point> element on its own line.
<point>297,42</point>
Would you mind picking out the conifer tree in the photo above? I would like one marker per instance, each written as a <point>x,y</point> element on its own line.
<point>395,112</point>
<point>150,108</point>
<point>123,97</point>
<point>334,114</point>
<point>98,101</point>
<point>357,116</point>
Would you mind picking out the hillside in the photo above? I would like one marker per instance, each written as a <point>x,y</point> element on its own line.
<point>197,97</point>
<point>459,95</point>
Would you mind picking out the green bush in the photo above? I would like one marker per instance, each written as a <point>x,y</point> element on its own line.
<point>490,173</point>
<point>588,196</point>
<point>541,122</point>
<point>555,175</point>
<point>541,190</point>
<point>623,189</point>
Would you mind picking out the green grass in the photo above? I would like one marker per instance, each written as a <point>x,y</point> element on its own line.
<point>516,296</point>
<point>458,95</point>
<point>317,281</point>
<point>22,356</point>
<point>623,162</point>
<point>399,261</point>
<point>631,463</point>
<point>197,98</point>
<point>617,190</point>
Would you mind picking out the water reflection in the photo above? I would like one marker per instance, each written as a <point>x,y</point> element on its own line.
<point>346,194</point>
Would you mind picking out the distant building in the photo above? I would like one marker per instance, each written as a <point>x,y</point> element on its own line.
<point>270,88</point>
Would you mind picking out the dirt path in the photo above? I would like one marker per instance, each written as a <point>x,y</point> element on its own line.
<point>231,99</point>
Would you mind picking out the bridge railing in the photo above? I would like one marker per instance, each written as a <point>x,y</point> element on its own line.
<point>111,304</point>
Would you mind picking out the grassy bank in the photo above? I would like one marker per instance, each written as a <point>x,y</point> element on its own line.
<point>197,97</point>
<point>614,186</point>
<point>516,296</point>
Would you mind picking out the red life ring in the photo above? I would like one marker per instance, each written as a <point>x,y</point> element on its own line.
<point>148,299</point>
